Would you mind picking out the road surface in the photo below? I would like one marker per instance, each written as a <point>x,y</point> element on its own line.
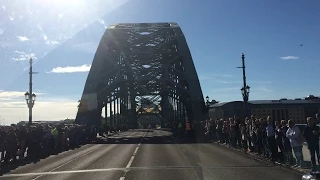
<point>149,156</point>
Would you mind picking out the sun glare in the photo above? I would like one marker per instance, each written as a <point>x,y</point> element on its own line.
<point>69,2</point>
<point>72,4</point>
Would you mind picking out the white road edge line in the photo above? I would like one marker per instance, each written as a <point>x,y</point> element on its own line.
<point>133,156</point>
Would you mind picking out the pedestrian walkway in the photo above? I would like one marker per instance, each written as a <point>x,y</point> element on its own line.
<point>305,151</point>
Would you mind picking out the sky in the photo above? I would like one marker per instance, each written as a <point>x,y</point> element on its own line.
<point>62,37</point>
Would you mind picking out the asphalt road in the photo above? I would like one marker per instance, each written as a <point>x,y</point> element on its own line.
<point>149,156</point>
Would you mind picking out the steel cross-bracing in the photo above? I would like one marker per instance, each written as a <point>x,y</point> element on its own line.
<point>142,70</point>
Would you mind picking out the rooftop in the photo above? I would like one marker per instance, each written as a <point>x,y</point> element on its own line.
<point>281,101</point>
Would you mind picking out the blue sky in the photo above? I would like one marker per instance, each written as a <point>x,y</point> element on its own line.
<point>62,36</point>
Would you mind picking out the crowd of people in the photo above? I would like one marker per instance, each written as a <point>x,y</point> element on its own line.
<point>36,141</point>
<point>279,141</point>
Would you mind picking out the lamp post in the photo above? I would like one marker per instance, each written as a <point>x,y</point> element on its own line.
<point>29,96</point>
<point>30,99</point>
<point>245,90</point>
<point>208,105</point>
<point>245,95</point>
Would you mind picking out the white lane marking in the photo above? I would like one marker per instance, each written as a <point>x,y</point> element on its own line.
<point>138,168</point>
<point>135,151</point>
<point>69,161</point>
<point>130,162</point>
<point>63,172</point>
<point>133,155</point>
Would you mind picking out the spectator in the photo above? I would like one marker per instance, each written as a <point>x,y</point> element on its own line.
<point>317,118</point>
<point>311,134</point>
<point>233,136</point>
<point>244,137</point>
<point>287,149</point>
<point>237,129</point>
<point>294,135</point>
<point>263,132</point>
<point>11,143</point>
<point>226,130</point>
<point>279,137</point>
<point>271,141</point>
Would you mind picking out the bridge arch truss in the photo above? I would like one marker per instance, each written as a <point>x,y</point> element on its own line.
<point>135,63</point>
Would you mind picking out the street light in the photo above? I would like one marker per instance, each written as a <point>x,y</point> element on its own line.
<point>245,93</point>
<point>30,99</point>
<point>208,105</point>
<point>33,98</point>
<point>245,90</point>
<point>29,96</point>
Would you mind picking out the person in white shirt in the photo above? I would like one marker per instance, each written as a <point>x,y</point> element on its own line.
<point>295,137</point>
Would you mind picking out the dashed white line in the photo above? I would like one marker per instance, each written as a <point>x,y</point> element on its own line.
<point>133,156</point>
<point>130,162</point>
<point>135,151</point>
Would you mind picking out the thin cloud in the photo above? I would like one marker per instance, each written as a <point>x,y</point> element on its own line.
<point>52,42</point>
<point>240,82</point>
<point>227,79</point>
<point>227,89</point>
<point>71,69</point>
<point>46,108</point>
<point>22,56</point>
<point>206,77</point>
<point>289,57</point>
<point>89,47</point>
<point>13,95</point>
<point>15,111</point>
<point>264,89</point>
<point>22,38</point>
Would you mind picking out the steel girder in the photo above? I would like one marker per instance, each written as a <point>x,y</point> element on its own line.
<point>139,60</point>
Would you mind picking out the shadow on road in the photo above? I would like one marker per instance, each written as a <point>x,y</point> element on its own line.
<point>169,139</point>
<point>147,137</point>
<point>7,167</point>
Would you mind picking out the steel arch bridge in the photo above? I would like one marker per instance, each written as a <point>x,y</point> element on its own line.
<point>142,69</point>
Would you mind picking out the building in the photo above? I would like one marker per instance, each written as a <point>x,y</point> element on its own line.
<point>296,109</point>
<point>66,121</point>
